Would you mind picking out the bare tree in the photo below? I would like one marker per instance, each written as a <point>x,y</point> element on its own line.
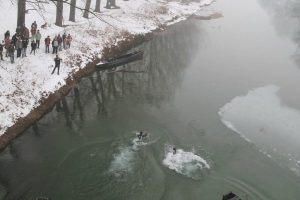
<point>72,3</point>
<point>59,13</point>
<point>97,7</point>
<point>72,10</point>
<point>21,12</point>
<point>87,8</point>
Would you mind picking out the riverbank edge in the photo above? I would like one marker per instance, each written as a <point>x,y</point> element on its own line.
<point>47,104</point>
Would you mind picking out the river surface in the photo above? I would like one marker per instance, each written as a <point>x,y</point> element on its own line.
<point>224,93</point>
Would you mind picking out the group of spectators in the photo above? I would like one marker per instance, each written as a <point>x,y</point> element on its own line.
<point>19,42</point>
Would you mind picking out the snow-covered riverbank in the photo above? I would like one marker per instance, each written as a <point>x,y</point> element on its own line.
<point>27,81</point>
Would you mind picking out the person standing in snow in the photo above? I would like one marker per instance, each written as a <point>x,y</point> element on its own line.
<point>33,31</point>
<point>6,34</point>
<point>57,61</point>
<point>33,47</point>
<point>55,45</point>
<point>34,25</point>
<point>47,44</point>
<point>38,37</point>
<point>64,40</point>
<point>19,30</point>
<point>19,47</point>
<point>59,39</point>
<point>7,42</point>
<point>33,28</point>
<point>14,39</point>
<point>25,45</point>
<point>11,51</point>
<point>1,49</point>
<point>25,32</point>
<point>68,41</point>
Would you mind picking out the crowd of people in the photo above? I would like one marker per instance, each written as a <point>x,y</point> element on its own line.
<point>18,43</point>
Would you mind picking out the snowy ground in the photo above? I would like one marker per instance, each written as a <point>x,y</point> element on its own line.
<point>24,83</point>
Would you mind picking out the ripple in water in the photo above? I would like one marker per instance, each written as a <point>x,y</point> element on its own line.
<point>185,163</point>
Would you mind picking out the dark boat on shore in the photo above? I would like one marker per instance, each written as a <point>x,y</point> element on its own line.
<point>231,196</point>
<point>120,60</point>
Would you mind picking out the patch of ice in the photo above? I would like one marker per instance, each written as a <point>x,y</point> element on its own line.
<point>185,163</point>
<point>261,116</point>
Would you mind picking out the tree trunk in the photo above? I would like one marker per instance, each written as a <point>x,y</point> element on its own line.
<point>87,9</point>
<point>72,10</point>
<point>97,7</point>
<point>21,12</point>
<point>59,13</point>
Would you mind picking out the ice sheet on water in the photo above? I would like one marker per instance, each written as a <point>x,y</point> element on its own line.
<point>261,113</point>
<point>185,163</point>
<point>261,116</point>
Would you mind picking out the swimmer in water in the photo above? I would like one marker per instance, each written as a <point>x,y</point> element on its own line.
<point>140,135</point>
<point>174,150</point>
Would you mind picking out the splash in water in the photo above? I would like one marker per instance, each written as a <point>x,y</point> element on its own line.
<point>123,162</point>
<point>185,163</point>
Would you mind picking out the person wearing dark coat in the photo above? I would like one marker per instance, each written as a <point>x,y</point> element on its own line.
<point>6,34</point>
<point>34,25</point>
<point>64,36</point>
<point>47,44</point>
<point>25,45</point>
<point>57,61</point>
<point>1,50</point>
<point>19,30</point>
<point>14,39</point>
<point>11,50</point>
<point>7,42</point>
<point>55,45</point>
<point>24,32</point>
<point>33,47</point>
<point>60,41</point>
